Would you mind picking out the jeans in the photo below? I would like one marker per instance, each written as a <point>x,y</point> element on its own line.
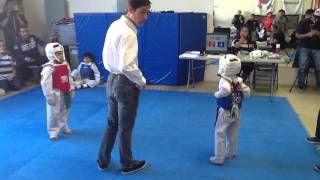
<point>32,70</point>
<point>318,126</point>
<point>14,84</point>
<point>305,53</point>
<point>123,98</point>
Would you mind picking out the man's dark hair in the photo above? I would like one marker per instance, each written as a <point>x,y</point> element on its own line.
<point>135,4</point>
<point>309,12</point>
<point>283,11</point>
<point>89,55</point>
<point>23,27</point>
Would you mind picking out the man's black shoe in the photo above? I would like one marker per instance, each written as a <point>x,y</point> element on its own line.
<point>317,168</point>
<point>301,86</point>
<point>134,166</point>
<point>313,140</point>
<point>101,166</point>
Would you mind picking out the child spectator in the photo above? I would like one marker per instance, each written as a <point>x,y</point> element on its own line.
<point>229,99</point>
<point>87,74</point>
<point>277,37</point>
<point>261,33</point>
<point>57,87</point>
<point>8,78</point>
<point>29,51</point>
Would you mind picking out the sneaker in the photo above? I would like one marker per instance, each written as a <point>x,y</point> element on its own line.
<point>135,166</point>
<point>317,168</point>
<point>101,166</point>
<point>218,162</point>
<point>313,140</point>
<point>301,86</point>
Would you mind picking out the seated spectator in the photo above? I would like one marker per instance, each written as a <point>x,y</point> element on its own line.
<point>87,74</point>
<point>29,51</point>
<point>244,45</point>
<point>8,78</point>
<point>261,33</point>
<point>267,22</point>
<point>277,37</point>
<point>252,23</point>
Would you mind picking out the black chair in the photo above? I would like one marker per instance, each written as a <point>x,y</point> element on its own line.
<point>262,74</point>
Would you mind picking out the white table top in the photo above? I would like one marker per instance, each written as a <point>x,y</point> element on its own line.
<point>195,55</point>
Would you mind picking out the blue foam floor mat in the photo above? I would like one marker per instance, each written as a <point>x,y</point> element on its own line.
<point>173,131</point>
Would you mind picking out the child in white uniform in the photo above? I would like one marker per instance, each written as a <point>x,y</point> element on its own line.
<point>57,87</point>
<point>229,99</point>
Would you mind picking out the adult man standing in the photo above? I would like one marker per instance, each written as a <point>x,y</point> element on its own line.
<point>309,35</point>
<point>281,21</point>
<point>10,22</point>
<point>124,84</point>
<point>238,20</point>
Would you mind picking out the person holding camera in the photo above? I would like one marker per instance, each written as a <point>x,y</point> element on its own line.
<point>308,34</point>
<point>10,22</point>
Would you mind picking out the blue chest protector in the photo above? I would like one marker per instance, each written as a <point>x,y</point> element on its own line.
<point>235,98</point>
<point>86,72</point>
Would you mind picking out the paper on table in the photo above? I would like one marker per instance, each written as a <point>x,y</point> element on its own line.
<point>187,55</point>
<point>195,52</point>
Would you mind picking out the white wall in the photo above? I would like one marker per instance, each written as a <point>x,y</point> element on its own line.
<point>81,6</point>
<point>35,14</point>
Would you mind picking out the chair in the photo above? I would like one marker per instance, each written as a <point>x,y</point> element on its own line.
<point>263,73</point>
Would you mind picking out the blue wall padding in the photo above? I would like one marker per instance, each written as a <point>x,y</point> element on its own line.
<point>161,39</point>
<point>193,28</point>
<point>91,29</point>
<point>161,49</point>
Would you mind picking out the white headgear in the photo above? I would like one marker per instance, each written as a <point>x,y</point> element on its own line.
<point>317,12</point>
<point>229,65</point>
<point>51,50</point>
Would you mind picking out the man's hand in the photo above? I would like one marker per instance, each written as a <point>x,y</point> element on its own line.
<point>139,87</point>
<point>10,77</point>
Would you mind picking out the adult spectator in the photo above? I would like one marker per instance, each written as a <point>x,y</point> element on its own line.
<point>252,23</point>
<point>29,51</point>
<point>244,45</point>
<point>10,22</point>
<point>238,20</point>
<point>308,34</point>
<point>281,22</point>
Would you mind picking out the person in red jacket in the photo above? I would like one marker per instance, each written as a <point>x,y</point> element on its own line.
<point>267,22</point>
